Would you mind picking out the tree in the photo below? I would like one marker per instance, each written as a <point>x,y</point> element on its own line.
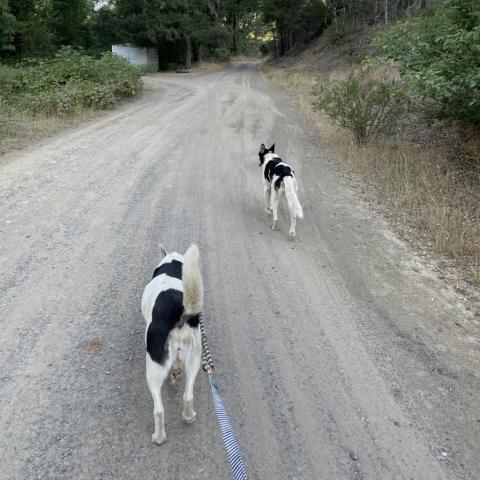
<point>185,20</point>
<point>7,26</point>
<point>294,21</point>
<point>439,57</point>
<point>68,19</point>
<point>106,27</point>
<point>239,14</point>
<point>131,18</point>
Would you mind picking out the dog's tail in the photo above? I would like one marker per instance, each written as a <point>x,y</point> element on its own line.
<point>291,195</point>
<point>192,282</point>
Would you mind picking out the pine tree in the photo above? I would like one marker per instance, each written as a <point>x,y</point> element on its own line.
<point>68,20</point>
<point>7,26</point>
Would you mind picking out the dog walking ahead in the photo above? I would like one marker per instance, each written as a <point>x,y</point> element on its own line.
<point>279,179</point>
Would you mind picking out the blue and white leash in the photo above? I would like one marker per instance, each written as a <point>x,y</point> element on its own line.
<point>231,446</point>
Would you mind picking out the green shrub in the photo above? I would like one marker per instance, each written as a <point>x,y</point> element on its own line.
<point>7,77</point>
<point>439,57</point>
<point>335,33</point>
<point>222,54</point>
<point>172,67</point>
<point>367,108</point>
<point>68,82</point>
<point>7,27</point>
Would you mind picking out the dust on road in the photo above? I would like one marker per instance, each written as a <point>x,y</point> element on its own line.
<point>338,355</point>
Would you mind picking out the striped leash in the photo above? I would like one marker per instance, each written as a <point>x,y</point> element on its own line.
<point>231,446</point>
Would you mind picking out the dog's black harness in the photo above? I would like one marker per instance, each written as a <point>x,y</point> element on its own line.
<point>272,168</point>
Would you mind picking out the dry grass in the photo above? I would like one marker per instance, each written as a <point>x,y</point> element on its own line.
<point>20,130</point>
<point>424,187</point>
<point>430,190</point>
<point>209,67</point>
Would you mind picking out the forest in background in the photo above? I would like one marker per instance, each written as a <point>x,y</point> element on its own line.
<point>434,43</point>
<point>41,27</point>
<point>183,30</point>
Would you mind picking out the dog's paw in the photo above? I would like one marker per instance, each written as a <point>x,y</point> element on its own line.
<point>292,234</point>
<point>158,439</point>
<point>275,226</point>
<point>188,413</point>
<point>268,211</point>
<point>189,419</point>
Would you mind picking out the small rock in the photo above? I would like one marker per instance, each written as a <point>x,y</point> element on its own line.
<point>353,455</point>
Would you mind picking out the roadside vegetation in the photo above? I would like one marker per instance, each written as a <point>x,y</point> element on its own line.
<point>38,95</point>
<point>395,89</point>
<point>55,62</point>
<point>68,82</point>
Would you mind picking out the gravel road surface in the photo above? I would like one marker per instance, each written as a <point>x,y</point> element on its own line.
<point>338,355</point>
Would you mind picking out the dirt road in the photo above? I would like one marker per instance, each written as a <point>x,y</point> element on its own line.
<point>338,355</point>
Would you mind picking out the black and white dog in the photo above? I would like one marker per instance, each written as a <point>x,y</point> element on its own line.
<point>171,305</point>
<point>279,179</point>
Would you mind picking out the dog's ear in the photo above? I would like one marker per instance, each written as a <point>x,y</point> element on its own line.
<point>262,148</point>
<point>272,148</point>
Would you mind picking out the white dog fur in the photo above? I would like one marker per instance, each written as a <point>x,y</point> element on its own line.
<point>171,305</point>
<point>279,180</point>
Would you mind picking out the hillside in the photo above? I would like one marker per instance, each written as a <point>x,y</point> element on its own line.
<point>424,177</point>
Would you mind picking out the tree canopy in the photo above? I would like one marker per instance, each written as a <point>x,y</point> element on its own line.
<point>436,43</point>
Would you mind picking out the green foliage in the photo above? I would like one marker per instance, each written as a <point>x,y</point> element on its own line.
<point>215,37</point>
<point>7,77</point>
<point>367,108</point>
<point>172,67</point>
<point>242,21</point>
<point>178,28</point>
<point>439,56</point>
<point>68,20</point>
<point>7,26</point>
<point>68,82</point>
<point>335,33</point>
<point>41,26</point>
<point>222,54</point>
<point>294,21</point>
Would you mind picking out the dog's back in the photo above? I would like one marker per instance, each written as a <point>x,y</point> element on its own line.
<point>162,305</point>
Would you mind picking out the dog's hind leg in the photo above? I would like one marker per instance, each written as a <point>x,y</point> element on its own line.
<point>192,365</point>
<point>156,375</point>
<point>293,223</point>
<point>267,194</point>
<point>275,199</point>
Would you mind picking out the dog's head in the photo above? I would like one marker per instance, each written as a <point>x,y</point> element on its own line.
<point>263,151</point>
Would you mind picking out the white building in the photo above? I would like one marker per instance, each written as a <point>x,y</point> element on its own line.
<point>137,55</point>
